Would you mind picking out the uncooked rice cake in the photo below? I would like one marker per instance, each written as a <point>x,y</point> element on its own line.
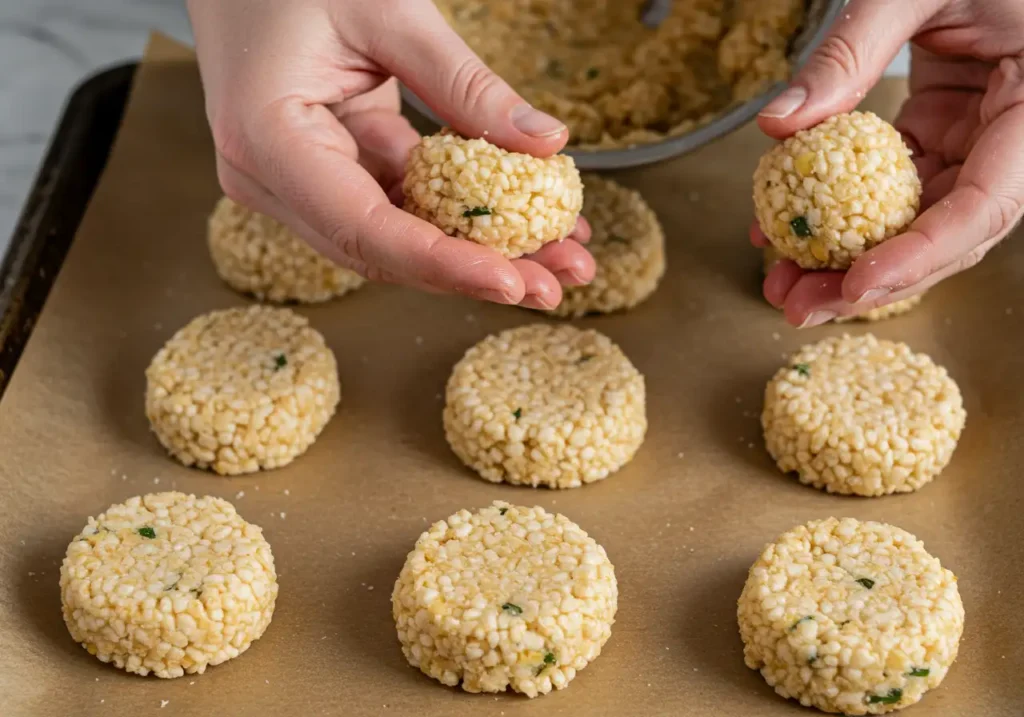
<point>628,246</point>
<point>851,617</point>
<point>255,254</point>
<point>545,405</point>
<point>829,193</point>
<point>505,597</point>
<point>168,584</point>
<point>861,415</point>
<point>242,389</point>
<point>514,203</point>
<point>880,313</point>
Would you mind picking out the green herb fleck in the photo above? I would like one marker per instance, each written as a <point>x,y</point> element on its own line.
<point>280,361</point>
<point>892,697</point>
<point>866,582</point>
<point>554,69</point>
<point>797,623</point>
<point>518,413</point>
<point>549,658</point>
<point>172,587</point>
<point>147,532</point>
<point>503,511</point>
<point>512,609</point>
<point>812,657</point>
<point>618,239</point>
<point>800,227</point>
<point>803,369</point>
<point>195,591</point>
<point>584,358</point>
<point>476,212</point>
<point>919,672</point>
<point>592,73</point>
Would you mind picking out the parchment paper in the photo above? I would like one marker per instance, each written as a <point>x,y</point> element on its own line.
<point>682,522</point>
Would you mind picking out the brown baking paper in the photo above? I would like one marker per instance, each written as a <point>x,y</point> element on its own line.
<point>682,523</point>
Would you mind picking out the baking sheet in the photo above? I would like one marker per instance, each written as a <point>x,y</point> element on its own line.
<point>682,522</point>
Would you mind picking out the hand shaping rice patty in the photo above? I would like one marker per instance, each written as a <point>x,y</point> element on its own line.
<point>168,584</point>
<point>255,254</point>
<point>628,245</point>
<point>828,194</point>
<point>863,416</point>
<point>241,390</point>
<point>851,617</point>
<point>514,203</point>
<point>505,597</point>
<point>544,405</point>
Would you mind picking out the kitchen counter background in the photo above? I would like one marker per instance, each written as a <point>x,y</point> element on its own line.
<point>48,47</point>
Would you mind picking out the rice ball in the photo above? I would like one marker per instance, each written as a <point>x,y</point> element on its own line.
<point>828,194</point>
<point>513,203</point>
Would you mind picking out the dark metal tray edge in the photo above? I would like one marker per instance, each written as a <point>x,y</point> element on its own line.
<point>55,205</point>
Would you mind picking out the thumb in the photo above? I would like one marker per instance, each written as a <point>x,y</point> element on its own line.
<point>849,61</point>
<point>434,62</point>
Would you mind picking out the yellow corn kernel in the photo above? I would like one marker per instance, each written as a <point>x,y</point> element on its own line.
<point>818,250</point>
<point>805,164</point>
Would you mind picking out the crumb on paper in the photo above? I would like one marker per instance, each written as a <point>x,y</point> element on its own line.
<point>419,340</point>
<point>739,400</point>
<point>239,495</point>
<point>1009,310</point>
<point>679,454</point>
<point>750,445</point>
<point>164,703</point>
<point>156,481</point>
<point>157,326</point>
<point>369,587</point>
<point>776,336</point>
<point>470,318</point>
<point>282,514</point>
<point>287,492</point>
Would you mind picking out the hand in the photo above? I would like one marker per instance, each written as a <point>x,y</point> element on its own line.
<point>964,121</point>
<point>303,102</point>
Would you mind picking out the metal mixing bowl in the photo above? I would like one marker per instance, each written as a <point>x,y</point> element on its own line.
<point>820,15</point>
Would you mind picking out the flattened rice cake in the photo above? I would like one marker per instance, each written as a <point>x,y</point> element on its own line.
<point>168,584</point>
<point>255,254</point>
<point>850,617</point>
<point>242,390</point>
<point>861,415</point>
<point>628,245</point>
<point>471,189</point>
<point>829,193</point>
<point>505,597</point>
<point>545,405</point>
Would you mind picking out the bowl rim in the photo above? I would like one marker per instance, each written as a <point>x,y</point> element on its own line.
<point>726,123</point>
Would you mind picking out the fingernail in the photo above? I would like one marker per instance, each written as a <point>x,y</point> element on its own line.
<point>535,123</point>
<point>817,318</point>
<point>785,104</point>
<point>569,277</point>
<point>532,301</point>
<point>498,297</point>
<point>872,295</point>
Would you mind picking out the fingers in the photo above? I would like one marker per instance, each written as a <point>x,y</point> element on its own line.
<point>780,281</point>
<point>384,139</point>
<point>581,232</point>
<point>757,237</point>
<point>571,264</point>
<point>436,64</point>
<point>301,163</point>
<point>851,59</point>
<point>985,203</point>
<point>542,290</point>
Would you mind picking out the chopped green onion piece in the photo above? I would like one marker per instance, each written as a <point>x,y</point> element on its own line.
<point>549,658</point>
<point>866,582</point>
<point>518,413</point>
<point>512,608</point>
<point>803,619</point>
<point>800,227</point>
<point>503,511</point>
<point>803,369</point>
<point>147,532</point>
<point>919,672</point>
<point>584,358</point>
<point>892,697</point>
<point>618,239</point>
<point>476,212</point>
<point>592,73</point>
<point>280,361</point>
<point>812,657</point>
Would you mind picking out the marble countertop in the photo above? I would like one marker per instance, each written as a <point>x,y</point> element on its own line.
<point>55,44</point>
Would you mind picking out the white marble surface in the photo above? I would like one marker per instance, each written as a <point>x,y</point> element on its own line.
<point>46,48</point>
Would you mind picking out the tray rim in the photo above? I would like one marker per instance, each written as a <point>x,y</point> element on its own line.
<point>63,187</point>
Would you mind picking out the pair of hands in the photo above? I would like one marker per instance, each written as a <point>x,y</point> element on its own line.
<point>303,102</point>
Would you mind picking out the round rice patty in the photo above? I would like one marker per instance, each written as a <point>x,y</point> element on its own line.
<point>864,416</point>
<point>851,617</point>
<point>828,194</point>
<point>168,584</point>
<point>514,203</point>
<point>505,597</point>
<point>628,246</point>
<point>255,254</point>
<point>896,308</point>
<point>544,405</point>
<point>241,390</point>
